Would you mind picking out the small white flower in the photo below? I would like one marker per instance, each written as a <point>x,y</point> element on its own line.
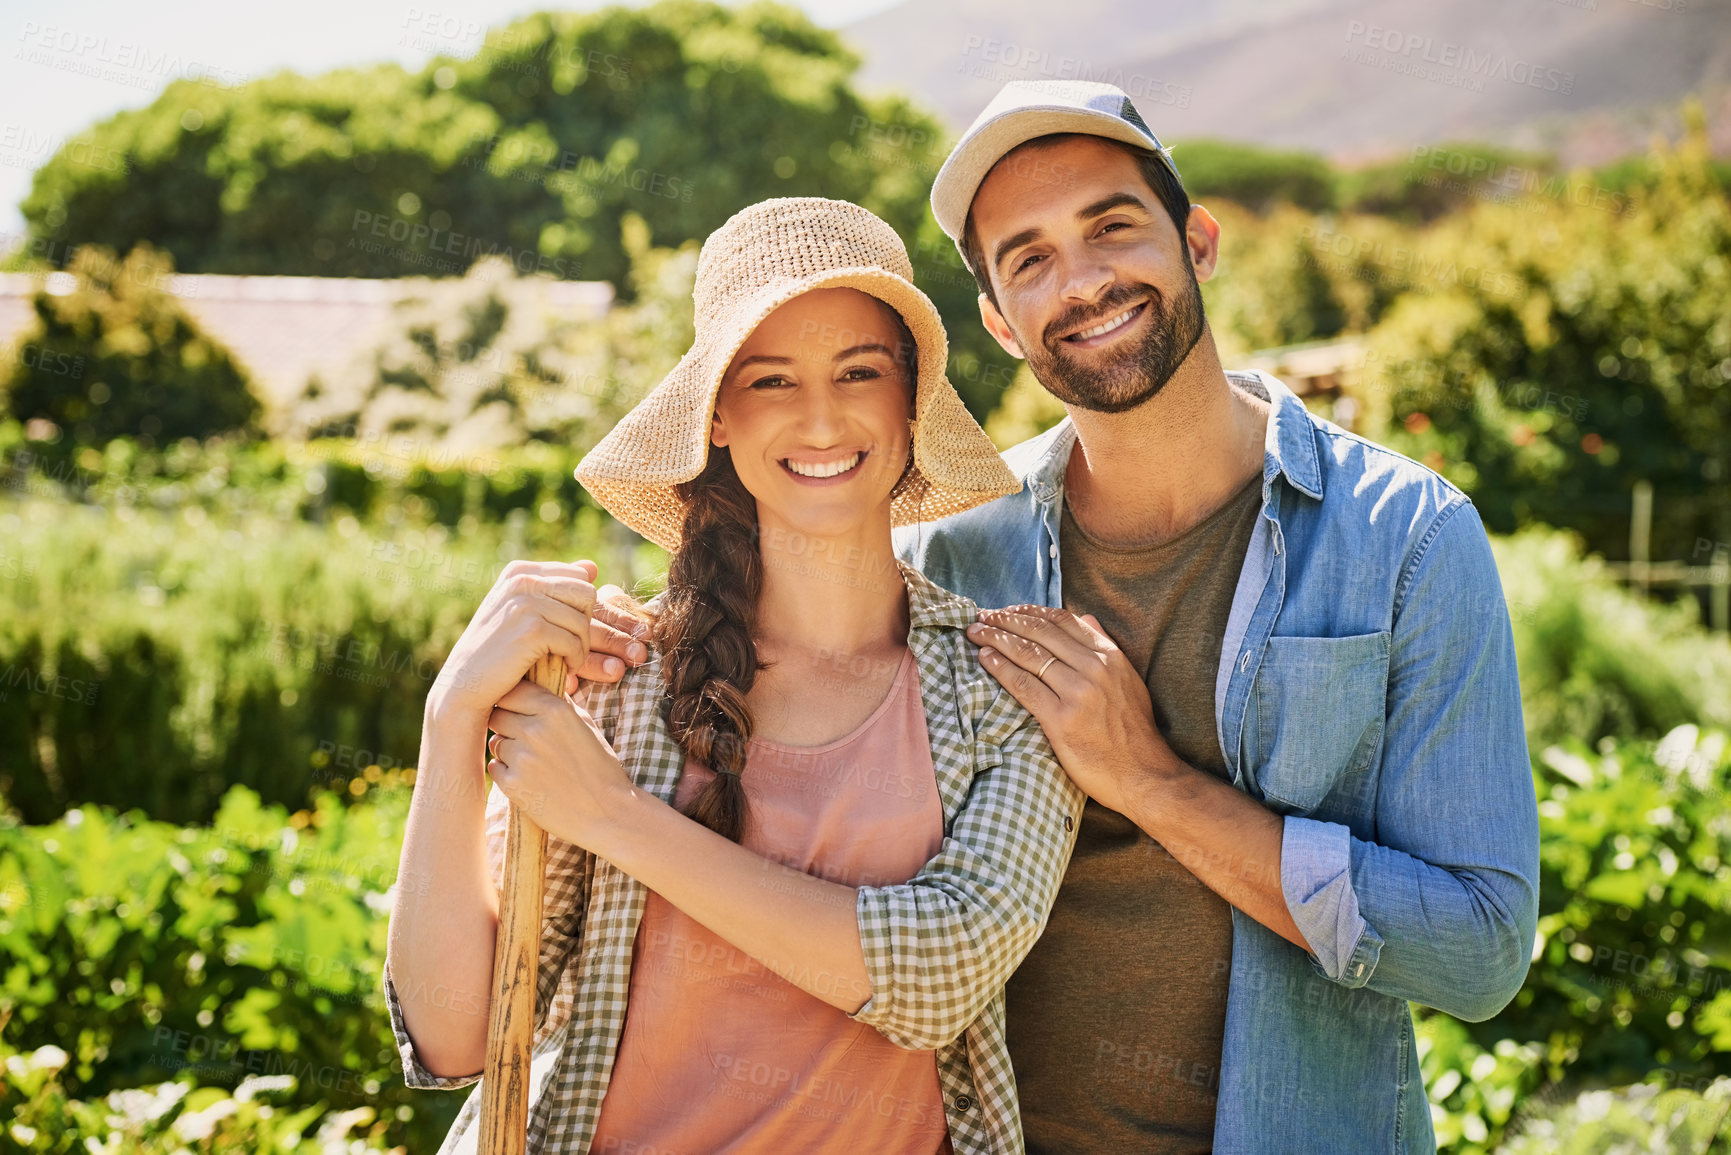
<point>254,1084</point>
<point>49,1058</point>
<point>146,1105</point>
<point>200,1124</point>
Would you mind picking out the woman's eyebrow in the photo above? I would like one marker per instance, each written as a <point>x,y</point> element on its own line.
<point>868,347</point>
<point>761,359</point>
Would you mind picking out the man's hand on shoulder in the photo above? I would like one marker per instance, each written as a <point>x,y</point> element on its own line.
<point>1089,699</point>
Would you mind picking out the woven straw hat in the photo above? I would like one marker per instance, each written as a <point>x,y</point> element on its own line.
<point>763,257</point>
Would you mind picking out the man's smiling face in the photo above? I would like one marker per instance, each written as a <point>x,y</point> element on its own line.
<point>1094,283</point>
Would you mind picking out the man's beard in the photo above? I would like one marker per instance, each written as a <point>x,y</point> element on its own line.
<point>1136,373</point>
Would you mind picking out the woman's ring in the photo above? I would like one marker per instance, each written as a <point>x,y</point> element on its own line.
<point>1042,673</point>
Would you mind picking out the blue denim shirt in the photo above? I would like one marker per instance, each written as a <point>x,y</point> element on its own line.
<point>1367,692</point>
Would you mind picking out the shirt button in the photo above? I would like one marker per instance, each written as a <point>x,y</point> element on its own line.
<point>1052,550</point>
<point>1359,969</point>
<point>1069,823</point>
<point>963,1102</point>
<point>1244,662</point>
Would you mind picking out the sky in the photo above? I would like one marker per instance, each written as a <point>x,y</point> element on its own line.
<point>49,50</point>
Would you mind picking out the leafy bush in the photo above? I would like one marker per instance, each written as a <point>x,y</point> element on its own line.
<point>1257,178</point>
<point>118,356</point>
<point>1474,1090</point>
<point>1632,973</point>
<point>154,659</point>
<point>389,483</point>
<point>1436,180</point>
<point>163,1119</point>
<point>165,982</point>
<point>1598,661</point>
<point>1646,1117</point>
<point>1631,976</point>
<point>1567,354</point>
<point>478,364</point>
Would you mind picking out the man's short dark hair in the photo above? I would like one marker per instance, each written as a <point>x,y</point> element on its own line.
<point>1161,180</point>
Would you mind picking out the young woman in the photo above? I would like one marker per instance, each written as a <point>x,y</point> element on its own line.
<point>795,854</point>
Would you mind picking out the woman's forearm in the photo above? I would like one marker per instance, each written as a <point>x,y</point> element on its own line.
<point>802,928</point>
<point>446,914</point>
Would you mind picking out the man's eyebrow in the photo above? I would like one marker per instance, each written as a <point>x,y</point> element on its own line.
<point>1107,204</point>
<point>1012,242</point>
<point>1098,208</point>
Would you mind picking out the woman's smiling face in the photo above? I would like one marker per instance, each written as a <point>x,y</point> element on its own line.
<point>814,411</point>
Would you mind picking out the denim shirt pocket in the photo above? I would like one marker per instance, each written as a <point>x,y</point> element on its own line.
<point>1319,705</point>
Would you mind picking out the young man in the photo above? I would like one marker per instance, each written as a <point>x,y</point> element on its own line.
<point>1278,661</point>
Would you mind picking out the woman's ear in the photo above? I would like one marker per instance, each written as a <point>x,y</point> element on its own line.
<point>717,431</point>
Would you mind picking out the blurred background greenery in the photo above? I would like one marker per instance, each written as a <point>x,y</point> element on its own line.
<point>222,603</point>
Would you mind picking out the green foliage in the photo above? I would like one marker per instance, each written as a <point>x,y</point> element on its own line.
<point>1436,180</point>
<point>1474,1090</point>
<point>1643,1118</point>
<point>1646,172</point>
<point>1257,178</point>
<point>118,356</point>
<point>241,959</point>
<point>535,147</point>
<point>1027,411</point>
<point>978,366</point>
<point>162,1119</point>
<point>1631,978</point>
<point>1289,277</point>
<point>153,659</point>
<point>1565,355</point>
<point>1633,967</point>
<point>389,482</point>
<point>1597,661</point>
<point>479,365</point>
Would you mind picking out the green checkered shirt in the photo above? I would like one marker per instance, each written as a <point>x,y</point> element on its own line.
<point>938,947</point>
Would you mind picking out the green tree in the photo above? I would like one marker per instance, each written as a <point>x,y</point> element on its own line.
<point>534,147</point>
<point>118,356</point>
<point>1565,354</point>
<point>1436,180</point>
<point>1257,178</point>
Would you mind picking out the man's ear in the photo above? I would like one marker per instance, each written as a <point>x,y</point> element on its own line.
<point>1202,234</point>
<point>999,328</point>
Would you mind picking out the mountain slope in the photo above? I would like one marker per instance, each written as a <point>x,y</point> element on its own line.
<point>1589,79</point>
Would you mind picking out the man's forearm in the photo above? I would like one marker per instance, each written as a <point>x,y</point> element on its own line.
<point>1228,840</point>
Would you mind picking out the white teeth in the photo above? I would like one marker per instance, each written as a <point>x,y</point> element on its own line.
<point>824,469</point>
<point>1105,326</point>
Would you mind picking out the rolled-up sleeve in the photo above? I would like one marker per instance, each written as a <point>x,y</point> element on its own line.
<point>940,947</point>
<point>1316,878</point>
<point>1441,909</point>
<point>415,1075</point>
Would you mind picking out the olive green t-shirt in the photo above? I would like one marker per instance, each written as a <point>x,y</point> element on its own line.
<point>1116,1018</point>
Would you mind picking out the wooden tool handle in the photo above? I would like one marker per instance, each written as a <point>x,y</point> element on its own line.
<point>516,964</point>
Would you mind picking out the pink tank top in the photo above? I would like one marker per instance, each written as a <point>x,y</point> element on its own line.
<point>719,1054</point>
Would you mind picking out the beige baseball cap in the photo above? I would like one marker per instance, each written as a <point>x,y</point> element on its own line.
<point>1023,110</point>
